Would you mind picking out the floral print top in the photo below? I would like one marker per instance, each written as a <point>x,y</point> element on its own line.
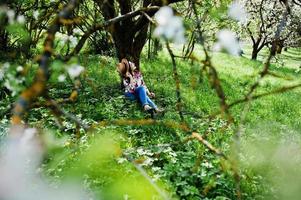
<point>137,82</point>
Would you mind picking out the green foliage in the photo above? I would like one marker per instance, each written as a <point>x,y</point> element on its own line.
<point>102,158</point>
<point>18,32</point>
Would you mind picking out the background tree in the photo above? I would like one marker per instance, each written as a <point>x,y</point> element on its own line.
<point>263,20</point>
<point>129,35</point>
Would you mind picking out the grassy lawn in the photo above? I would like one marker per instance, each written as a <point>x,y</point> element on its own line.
<point>187,170</point>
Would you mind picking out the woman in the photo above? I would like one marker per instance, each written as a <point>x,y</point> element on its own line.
<point>134,85</point>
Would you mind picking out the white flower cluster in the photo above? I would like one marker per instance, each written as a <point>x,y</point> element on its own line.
<point>61,78</point>
<point>238,12</point>
<point>12,17</point>
<point>227,40</point>
<point>169,26</point>
<point>75,70</point>
<point>19,161</point>
<point>67,39</point>
<point>3,70</point>
<point>77,31</point>
<point>8,76</point>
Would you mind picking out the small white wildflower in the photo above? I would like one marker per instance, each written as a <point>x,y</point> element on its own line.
<point>238,12</point>
<point>156,169</point>
<point>61,78</point>
<point>169,26</point>
<point>36,14</point>
<point>147,162</point>
<point>11,16</point>
<point>10,87</point>
<point>172,154</point>
<point>228,41</point>
<point>21,19</point>
<point>75,70</point>
<point>140,151</point>
<point>207,164</point>
<point>77,31</point>
<point>64,38</point>
<point>73,41</point>
<point>121,160</point>
<point>19,69</point>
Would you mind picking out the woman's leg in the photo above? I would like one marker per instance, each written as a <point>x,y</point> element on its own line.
<point>144,99</point>
<point>130,96</point>
<point>140,93</point>
<point>151,103</point>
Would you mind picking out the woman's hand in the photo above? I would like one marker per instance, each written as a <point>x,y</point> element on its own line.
<point>151,94</point>
<point>128,74</point>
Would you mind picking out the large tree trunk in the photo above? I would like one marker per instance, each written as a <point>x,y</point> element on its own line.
<point>130,35</point>
<point>255,52</point>
<point>129,45</point>
<point>280,46</point>
<point>258,46</point>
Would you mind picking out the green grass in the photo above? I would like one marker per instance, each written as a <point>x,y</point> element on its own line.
<point>189,170</point>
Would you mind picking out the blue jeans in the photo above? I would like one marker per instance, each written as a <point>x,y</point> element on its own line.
<point>140,94</point>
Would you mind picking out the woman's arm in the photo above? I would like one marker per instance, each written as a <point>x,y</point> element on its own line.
<point>129,83</point>
<point>151,94</point>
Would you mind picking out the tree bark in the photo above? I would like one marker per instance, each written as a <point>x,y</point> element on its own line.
<point>254,54</point>
<point>255,51</point>
<point>129,35</point>
<point>3,41</point>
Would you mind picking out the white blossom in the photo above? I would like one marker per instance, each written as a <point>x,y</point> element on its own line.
<point>227,40</point>
<point>11,16</point>
<point>238,12</point>
<point>140,151</point>
<point>75,70</point>
<point>3,69</point>
<point>36,14</point>
<point>9,86</point>
<point>19,69</point>
<point>73,41</point>
<point>20,179</point>
<point>61,78</point>
<point>169,26</point>
<point>20,19</point>
<point>77,31</point>
<point>64,38</point>
<point>164,15</point>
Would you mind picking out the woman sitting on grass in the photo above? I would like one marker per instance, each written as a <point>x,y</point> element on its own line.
<point>134,85</point>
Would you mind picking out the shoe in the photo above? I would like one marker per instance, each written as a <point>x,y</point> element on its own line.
<point>147,107</point>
